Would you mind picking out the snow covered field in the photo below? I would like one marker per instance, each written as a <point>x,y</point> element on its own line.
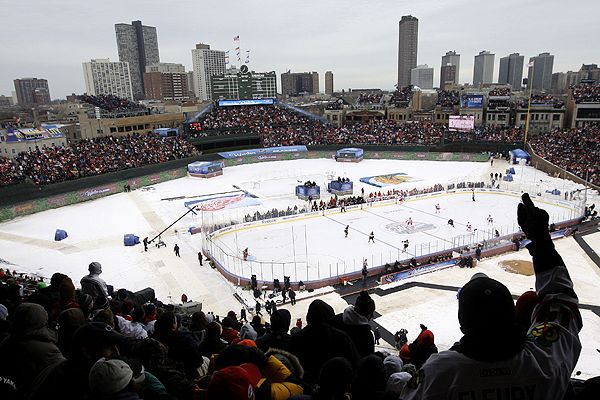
<point>96,230</point>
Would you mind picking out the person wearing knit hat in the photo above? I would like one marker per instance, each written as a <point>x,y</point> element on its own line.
<point>109,377</point>
<point>92,284</point>
<point>495,354</point>
<point>355,322</point>
<point>234,383</point>
<point>278,337</point>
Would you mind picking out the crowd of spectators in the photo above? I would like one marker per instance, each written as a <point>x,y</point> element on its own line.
<point>112,103</point>
<point>251,117</point>
<point>369,98</point>
<point>543,99</point>
<point>447,98</point>
<point>500,92</point>
<point>490,133</point>
<point>98,156</point>
<point>335,105</point>
<point>401,97</point>
<point>585,93</point>
<point>9,173</point>
<point>577,150</point>
<point>58,341</point>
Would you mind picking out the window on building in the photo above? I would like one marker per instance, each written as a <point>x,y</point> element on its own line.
<point>113,129</point>
<point>556,117</point>
<point>523,117</point>
<point>120,129</point>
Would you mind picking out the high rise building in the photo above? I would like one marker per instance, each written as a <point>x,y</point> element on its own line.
<point>539,76</point>
<point>408,40</point>
<point>329,83</point>
<point>483,70</point>
<point>450,74</point>
<point>137,45</point>
<point>191,82</point>
<point>298,83</point>
<point>32,91</point>
<point>166,81</point>
<point>105,77</point>
<point>422,76</point>
<point>511,70</point>
<point>206,63</point>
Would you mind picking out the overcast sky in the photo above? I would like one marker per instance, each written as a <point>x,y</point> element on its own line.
<point>357,40</point>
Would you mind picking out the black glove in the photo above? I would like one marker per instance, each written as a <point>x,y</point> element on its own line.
<point>533,220</point>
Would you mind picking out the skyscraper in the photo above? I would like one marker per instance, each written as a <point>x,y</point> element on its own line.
<point>329,83</point>
<point>137,45</point>
<point>511,70</point>
<point>32,91</point>
<point>483,69</point>
<point>422,76</point>
<point>408,40</point>
<point>105,77</point>
<point>539,76</point>
<point>206,63</point>
<point>297,83</point>
<point>450,74</point>
<point>165,81</point>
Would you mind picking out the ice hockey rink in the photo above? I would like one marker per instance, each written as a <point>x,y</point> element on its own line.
<point>96,230</point>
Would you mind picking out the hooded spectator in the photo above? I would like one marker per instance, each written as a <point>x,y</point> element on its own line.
<point>278,337</point>
<point>319,341</point>
<point>212,343</point>
<point>111,379</point>
<point>230,334</point>
<point>30,347</point>
<point>355,322</point>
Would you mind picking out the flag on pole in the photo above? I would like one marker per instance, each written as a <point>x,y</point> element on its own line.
<point>236,38</point>
<point>530,65</point>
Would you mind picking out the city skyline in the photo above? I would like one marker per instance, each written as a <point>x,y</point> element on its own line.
<point>360,45</point>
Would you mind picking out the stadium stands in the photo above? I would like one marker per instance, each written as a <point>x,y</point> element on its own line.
<point>586,93</point>
<point>98,156</point>
<point>447,98</point>
<point>401,97</point>
<point>9,173</point>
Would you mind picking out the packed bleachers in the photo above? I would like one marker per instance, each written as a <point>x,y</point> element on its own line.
<point>447,98</point>
<point>369,98</point>
<point>98,156</point>
<point>543,99</point>
<point>401,97</point>
<point>335,105</point>
<point>112,103</point>
<point>499,92</point>
<point>94,342</point>
<point>586,93</point>
<point>9,173</point>
<point>577,150</point>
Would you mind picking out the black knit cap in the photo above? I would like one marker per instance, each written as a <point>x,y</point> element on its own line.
<point>364,304</point>
<point>485,306</point>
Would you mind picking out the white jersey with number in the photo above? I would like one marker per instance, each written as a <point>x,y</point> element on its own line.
<point>542,370</point>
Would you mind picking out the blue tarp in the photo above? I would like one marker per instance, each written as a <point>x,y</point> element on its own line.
<point>131,240</point>
<point>518,154</point>
<point>60,235</point>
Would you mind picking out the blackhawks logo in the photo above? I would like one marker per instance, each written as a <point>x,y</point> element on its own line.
<point>416,380</point>
<point>544,334</point>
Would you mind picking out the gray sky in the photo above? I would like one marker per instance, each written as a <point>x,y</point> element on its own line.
<point>357,40</point>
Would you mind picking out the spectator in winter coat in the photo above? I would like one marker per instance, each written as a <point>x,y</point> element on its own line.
<point>370,379</point>
<point>182,347</point>
<point>30,347</point>
<point>69,379</point>
<point>92,284</point>
<point>230,334</point>
<point>212,343</point>
<point>319,341</point>
<point>355,322</point>
<point>278,337</point>
<point>494,355</point>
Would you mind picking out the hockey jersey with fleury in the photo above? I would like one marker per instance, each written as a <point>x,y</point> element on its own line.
<point>540,371</point>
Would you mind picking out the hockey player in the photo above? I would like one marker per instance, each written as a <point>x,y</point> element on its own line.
<point>245,254</point>
<point>437,208</point>
<point>490,220</point>
<point>405,245</point>
<point>451,222</point>
<point>364,271</point>
<point>409,222</point>
<point>469,227</point>
<point>346,230</point>
<point>371,237</point>
<point>473,195</point>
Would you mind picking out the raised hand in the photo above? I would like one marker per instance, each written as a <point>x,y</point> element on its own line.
<point>533,220</point>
